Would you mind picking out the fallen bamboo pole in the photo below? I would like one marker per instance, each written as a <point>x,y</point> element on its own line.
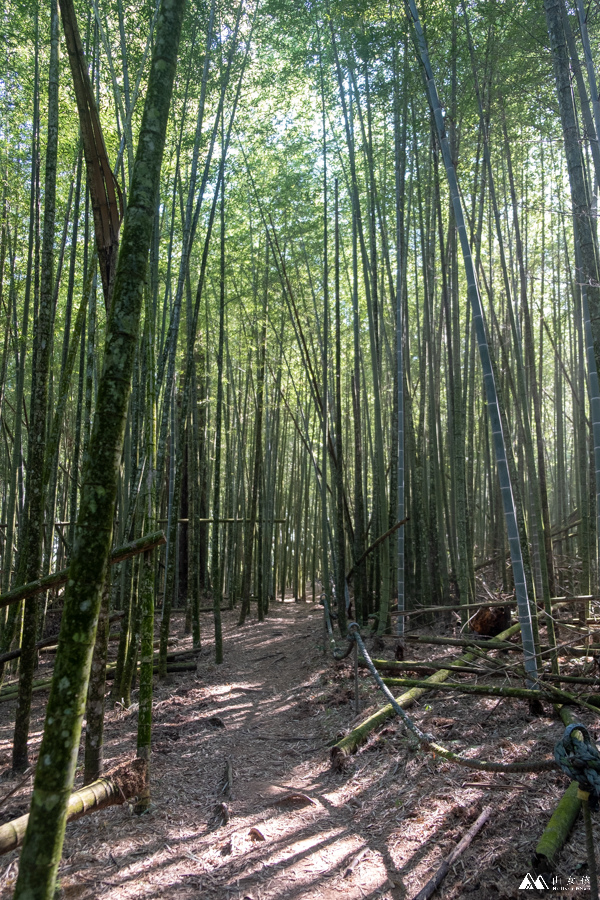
<point>493,644</point>
<point>56,579</point>
<point>350,743</point>
<point>114,788</point>
<point>10,692</point>
<point>51,642</point>
<point>392,665</point>
<point>551,695</point>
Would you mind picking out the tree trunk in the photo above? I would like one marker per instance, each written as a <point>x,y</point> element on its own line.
<point>58,752</point>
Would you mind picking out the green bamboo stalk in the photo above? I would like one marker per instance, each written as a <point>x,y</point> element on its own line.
<point>31,550</point>
<point>478,321</point>
<point>58,752</point>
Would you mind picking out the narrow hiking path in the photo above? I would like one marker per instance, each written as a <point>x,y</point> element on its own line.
<point>292,829</point>
<point>269,710</point>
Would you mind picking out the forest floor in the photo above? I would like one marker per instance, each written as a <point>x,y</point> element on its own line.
<point>297,829</point>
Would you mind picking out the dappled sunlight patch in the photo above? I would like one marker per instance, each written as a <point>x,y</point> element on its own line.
<point>296,829</point>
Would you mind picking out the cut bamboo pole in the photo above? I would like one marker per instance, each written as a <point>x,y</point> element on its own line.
<point>114,788</point>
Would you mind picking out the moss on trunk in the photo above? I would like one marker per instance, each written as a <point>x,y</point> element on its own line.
<point>58,752</point>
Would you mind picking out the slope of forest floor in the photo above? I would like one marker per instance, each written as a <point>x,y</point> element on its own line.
<point>297,829</point>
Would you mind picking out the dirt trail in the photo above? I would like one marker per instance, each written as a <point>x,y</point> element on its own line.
<point>289,835</point>
<point>297,830</point>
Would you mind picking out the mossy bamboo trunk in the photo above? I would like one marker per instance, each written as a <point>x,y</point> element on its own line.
<point>562,820</point>
<point>43,842</point>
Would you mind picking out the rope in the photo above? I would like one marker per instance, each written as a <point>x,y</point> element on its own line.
<point>427,741</point>
<point>354,635</point>
<point>580,760</point>
<point>338,654</point>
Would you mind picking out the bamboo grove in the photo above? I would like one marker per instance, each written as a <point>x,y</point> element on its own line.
<point>363,361</point>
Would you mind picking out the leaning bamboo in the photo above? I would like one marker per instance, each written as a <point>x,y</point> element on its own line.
<point>114,788</point>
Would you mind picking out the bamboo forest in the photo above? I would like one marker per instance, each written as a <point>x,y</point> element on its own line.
<point>299,449</point>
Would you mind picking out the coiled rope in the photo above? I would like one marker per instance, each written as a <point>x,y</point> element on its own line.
<point>580,760</point>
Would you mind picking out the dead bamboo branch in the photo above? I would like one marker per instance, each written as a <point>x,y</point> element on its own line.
<point>18,786</point>
<point>433,883</point>
<point>228,780</point>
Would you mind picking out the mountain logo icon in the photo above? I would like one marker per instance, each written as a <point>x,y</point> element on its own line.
<point>530,883</point>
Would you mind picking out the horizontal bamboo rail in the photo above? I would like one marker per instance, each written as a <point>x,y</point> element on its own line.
<point>226,521</point>
<point>56,579</point>
<point>456,607</point>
